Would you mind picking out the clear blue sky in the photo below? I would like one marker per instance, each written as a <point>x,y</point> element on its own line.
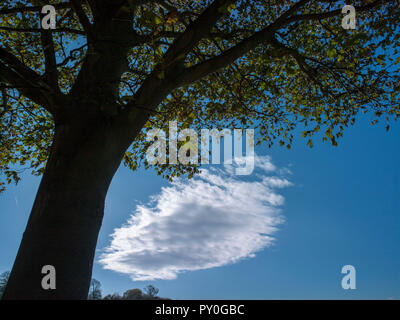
<point>343,208</point>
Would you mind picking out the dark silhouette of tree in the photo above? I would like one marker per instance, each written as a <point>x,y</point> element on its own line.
<point>151,291</point>
<point>76,101</point>
<point>3,282</point>
<point>113,296</point>
<point>133,294</point>
<point>95,290</point>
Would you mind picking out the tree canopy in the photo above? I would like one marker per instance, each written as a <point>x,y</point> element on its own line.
<point>150,293</point>
<point>265,64</point>
<point>3,281</point>
<point>95,290</point>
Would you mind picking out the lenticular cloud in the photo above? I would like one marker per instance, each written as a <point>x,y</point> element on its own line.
<point>209,221</point>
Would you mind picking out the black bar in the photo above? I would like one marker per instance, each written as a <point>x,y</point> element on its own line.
<point>204,309</point>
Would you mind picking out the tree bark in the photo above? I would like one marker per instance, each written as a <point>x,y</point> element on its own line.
<point>67,213</point>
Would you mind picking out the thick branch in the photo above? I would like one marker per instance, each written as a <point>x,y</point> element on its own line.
<point>161,80</point>
<point>28,82</point>
<point>228,57</point>
<point>83,19</point>
<point>51,73</point>
<point>264,36</point>
<point>197,30</point>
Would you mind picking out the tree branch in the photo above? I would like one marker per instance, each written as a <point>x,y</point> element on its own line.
<point>320,16</point>
<point>33,8</point>
<point>83,19</point>
<point>36,30</point>
<point>197,30</point>
<point>303,65</point>
<point>266,35</point>
<point>28,82</point>
<point>51,74</point>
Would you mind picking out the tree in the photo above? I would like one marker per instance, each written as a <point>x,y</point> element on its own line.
<point>151,291</point>
<point>77,100</point>
<point>133,294</point>
<point>114,296</point>
<point>95,290</point>
<point>3,282</point>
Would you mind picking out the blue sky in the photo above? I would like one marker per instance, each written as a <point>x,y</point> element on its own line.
<point>342,207</point>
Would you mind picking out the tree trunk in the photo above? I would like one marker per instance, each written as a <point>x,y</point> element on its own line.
<point>67,213</point>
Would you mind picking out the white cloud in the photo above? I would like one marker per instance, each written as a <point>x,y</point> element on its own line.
<point>209,221</point>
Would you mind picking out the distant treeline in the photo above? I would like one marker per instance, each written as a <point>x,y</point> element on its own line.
<point>149,293</point>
